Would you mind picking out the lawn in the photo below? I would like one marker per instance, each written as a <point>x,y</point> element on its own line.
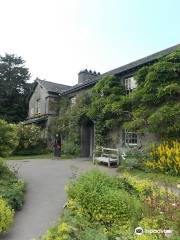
<point>39,156</point>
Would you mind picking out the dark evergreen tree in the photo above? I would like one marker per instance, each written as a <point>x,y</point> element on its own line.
<point>14,88</point>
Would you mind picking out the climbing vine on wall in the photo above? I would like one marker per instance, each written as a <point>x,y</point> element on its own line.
<point>156,101</point>
<point>68,121</point>
<point>108,97</point>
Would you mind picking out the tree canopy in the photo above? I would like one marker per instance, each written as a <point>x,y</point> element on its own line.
<point>14,88</point>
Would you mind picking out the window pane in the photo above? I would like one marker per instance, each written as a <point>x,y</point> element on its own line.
<point>130,138</point>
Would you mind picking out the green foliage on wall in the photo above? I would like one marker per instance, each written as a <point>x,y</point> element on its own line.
<point>107,97</point>
<point>155,103</point>
<point>67,124</point>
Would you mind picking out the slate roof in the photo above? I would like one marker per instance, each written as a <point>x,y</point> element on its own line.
<point>52,87</point>
<point>122,69</point>
<point>79,86</point>
<point>142,61</point>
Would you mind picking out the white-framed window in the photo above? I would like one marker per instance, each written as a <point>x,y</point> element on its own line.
<point>130,138</point>
<point>73,100</point>
<point>130,84</point>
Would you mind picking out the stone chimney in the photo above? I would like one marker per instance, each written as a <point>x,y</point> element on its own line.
<point>85,75</point>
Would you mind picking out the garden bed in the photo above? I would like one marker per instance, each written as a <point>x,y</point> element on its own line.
<point>109,208</point>
<point>159,178</point>
<point>12,192</point>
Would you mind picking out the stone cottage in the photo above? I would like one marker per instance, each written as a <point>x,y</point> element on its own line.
<point>43,100</point>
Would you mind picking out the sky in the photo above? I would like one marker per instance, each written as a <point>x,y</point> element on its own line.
<point>59,38</point>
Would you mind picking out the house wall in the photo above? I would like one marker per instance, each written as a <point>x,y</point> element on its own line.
<point>52,104</point>
<point>116,139</point>
<point>47,102</point>
<point>40,94</point>
<point>48,105</point>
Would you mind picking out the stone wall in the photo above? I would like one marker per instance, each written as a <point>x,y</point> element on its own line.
<point>116,139</point>
<point>47,102</point>
<point>40,94</point>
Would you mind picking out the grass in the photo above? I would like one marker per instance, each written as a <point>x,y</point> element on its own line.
<point>38,156</point>
<point>156,177</point>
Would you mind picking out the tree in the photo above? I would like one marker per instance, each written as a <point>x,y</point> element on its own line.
<point>14,89</point>
<point>156,101</point>
<point>8,138</point>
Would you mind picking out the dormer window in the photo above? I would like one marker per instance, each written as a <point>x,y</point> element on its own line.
<point>130,85</point>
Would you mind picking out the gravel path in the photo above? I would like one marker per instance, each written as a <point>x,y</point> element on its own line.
<point>45,195</point>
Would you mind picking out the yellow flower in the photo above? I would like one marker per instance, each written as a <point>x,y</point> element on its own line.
<point>63,227</point>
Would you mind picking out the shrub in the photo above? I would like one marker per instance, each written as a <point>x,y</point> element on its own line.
<point>8,138</point>
<point>165,158</point>
<point>161,204</point>
<point>29,136</point>
<point>3,168</point>
<point>30,141</point>
<point>156,223</point>
<point>134,159</point>
<point>11,189</point>
<point>105,203</point>
<point>91,234</point>
<point>14,194</point>
<point>102,207</point>
<point>6,216</point>
<point>70,148</point>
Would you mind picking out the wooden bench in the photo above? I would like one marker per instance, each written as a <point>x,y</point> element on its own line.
<point>108,155</point>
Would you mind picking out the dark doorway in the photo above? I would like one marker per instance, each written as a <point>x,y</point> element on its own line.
<point>87,138</point>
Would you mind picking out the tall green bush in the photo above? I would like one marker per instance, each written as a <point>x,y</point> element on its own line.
<point>30,140</point>
<point>12,189</point>
<point>100,198</point>
<point>29,136</point>
<point>8,138</point>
